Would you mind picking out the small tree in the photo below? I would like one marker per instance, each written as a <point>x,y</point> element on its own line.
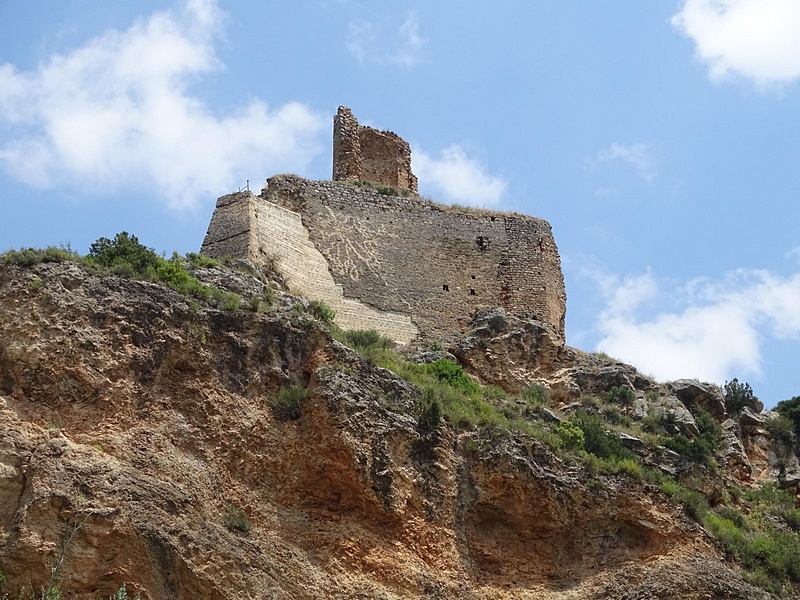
<point>738,395</point>
<point>791,410</point>
<point>124,252</point>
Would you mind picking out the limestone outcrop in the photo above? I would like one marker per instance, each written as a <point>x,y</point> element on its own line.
<point>146,425</point>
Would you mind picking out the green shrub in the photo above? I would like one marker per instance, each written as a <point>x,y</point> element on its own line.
<point>230,301</point>
<point>615,416</point>
<point>288,404</point>
<point>664,423</point>
<point>685,447</point>
<point>226,300</point>
<point>670,487</point>
<point>235,519</point>
<point>124,253</point>
<point>611,466</point>
<point>27,257</point>
<point>495,395</point>
<point>362,339</point>
<point>452,374</point>
<point>429,409</point>
<point>734,516</point>
<point>571,435</point>
<point>200,261</point>
<point>536,395</point>
<point>621,394</point>
<point>770,496</point>
<point>173,273</point>
<point>631,467</point>
<point>781,428</point>
<point>597,439</point>
<point>694,502</point>
<point>702,447</point>
<point>791,410</point>
<point>792,518</point>
<point>387,190</point>
<point>771,554</point>
<point>321,311</point>
<point>737,396</point>
<point>256,304</point>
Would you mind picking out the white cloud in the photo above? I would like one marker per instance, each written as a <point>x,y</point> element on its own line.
<point>456,177</point>
<point>371,44</point>
<point>638,156</point>
<point>755,39</point>
<point>715,335</point>
<point>794,254</point>
<point>117,112</point>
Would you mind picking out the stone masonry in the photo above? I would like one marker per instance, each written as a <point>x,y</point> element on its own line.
<point>364,153</point>
<point>400,264</point>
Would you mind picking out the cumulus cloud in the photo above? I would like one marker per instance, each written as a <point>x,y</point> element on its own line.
<point>716,332</point>
<point>457,177</point>
<point>755,39</point>
<point>638,156</point>
<point>370,43</point>
<point>117,111</point>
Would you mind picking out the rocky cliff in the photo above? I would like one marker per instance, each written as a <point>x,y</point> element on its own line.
<point>196,452</point>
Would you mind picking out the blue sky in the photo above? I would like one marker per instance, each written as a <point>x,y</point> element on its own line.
<point>660,139</point>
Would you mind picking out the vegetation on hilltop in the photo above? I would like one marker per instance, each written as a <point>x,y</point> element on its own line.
<point>126,257</point>
<point>758,528</point>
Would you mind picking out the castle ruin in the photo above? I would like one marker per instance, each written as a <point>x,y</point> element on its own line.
<point>364,153</point>
<point>394,262</point>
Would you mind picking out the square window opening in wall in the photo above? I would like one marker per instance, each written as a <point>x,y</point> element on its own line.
<point>472,276</point>
<point>483,242</point>
<point>472,292</point>
<point>445,288</point>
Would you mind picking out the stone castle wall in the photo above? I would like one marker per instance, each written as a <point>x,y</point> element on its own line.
<point>402,266</point>
<point>364,153</point>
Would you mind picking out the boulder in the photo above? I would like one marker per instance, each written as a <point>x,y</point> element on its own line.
<point>750,420</point>
<point>426,356</point>
<point>706,395</point>
<point>508,351</point>
<point>640,408</point>
<point>791,476</point>
<point>632,443</point>
<point>732,454</point>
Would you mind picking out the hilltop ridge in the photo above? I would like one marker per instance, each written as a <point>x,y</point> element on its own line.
<point>242,451</point>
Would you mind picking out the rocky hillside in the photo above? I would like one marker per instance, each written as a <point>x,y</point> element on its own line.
<point>196,448</point>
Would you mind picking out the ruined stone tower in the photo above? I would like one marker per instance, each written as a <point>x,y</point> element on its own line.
<point>364,153</point>
<point>394,262</point>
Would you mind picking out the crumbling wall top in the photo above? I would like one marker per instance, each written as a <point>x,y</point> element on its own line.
<point>361,152</point>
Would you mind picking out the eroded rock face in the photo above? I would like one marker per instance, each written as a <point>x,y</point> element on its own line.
<point>143,419</point>
<point>507,351</point>
<point>705,395</point>
<point>732,454</point>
